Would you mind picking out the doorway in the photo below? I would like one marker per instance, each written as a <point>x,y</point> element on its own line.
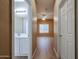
<point>45,27</point>
<point>21,27</point>
<point>35,38</point>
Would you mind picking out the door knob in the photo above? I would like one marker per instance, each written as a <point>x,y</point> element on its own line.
<point>60,35</point>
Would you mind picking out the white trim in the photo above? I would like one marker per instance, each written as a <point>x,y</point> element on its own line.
<point>56,53</point>
<point>34,52</point>
<point>4,56</point>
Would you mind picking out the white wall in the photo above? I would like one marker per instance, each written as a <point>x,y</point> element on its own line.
<point>56,15</point>
<point>34,13</point>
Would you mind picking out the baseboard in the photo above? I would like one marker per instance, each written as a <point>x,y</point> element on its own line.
<point>34,52</point>
<point>4,56</point>
<point>56,53</point>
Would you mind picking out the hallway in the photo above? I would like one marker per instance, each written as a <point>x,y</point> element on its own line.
<point>44,50</point>
<point>43,31</point>
<point>38,29</point>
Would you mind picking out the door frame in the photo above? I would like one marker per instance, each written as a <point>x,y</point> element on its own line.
<point>11,17</point>
<point>11,5</point>
<point>76,27</point>
<point>12,11</point>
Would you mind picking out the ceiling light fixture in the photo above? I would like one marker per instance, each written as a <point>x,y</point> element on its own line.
<point>43,18</point>
<point>21,11</point>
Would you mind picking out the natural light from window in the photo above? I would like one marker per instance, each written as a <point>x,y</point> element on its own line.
<point>43,28</point>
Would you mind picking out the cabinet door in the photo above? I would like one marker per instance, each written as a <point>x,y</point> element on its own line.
<point>17,46</point>
<point>24,47</point>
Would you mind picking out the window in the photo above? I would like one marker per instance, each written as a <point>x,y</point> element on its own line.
<point>43,28</point>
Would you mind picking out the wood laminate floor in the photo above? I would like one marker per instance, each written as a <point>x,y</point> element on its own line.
<point>44,49</point>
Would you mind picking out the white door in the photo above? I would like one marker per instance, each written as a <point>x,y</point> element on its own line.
<point>67,31</point>
<point>63,44</point>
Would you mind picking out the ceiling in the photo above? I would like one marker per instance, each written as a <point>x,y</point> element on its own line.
<point>45,8</point>
<point>40,8</point>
